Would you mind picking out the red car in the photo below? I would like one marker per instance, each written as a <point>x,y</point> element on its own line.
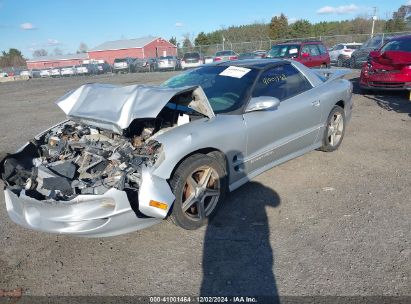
<point>389,68</point>
<point>309,53</point>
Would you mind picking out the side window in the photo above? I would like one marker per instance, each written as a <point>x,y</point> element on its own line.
<point>314,51</point>
<point>322,48</point>
<point>282,82</point>
<point>305,49</point>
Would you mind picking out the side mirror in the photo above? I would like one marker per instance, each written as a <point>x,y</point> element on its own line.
<point>305,55</point>
<point>262,103</point>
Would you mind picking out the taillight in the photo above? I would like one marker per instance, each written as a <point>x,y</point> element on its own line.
<point>233,57</point>
<point>407,69</point>
<point>217,59</point>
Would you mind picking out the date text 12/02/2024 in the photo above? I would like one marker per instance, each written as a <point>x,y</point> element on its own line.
<point>204,299</point>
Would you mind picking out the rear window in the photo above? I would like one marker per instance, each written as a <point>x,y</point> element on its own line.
<point>166,57</point>
<point>403,45</point>
<point>120,59</point>
<point>284,51</point>
<point>353,47</point>
<point>191,55</point>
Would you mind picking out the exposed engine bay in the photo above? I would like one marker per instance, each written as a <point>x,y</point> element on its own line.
<point>74,158</point>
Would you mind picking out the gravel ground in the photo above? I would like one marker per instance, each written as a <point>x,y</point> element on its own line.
<point>323,224</point>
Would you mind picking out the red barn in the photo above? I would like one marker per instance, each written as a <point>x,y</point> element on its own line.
<point>45,62</point>
<point>143,47</point>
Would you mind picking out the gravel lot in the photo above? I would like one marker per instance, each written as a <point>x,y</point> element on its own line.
<point>323,224</point>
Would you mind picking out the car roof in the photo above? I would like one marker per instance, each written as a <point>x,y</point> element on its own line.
<point>299,42</point>
<point>406,37</point>
<point>260,64</point>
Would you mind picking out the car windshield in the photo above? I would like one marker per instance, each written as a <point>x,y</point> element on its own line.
<point>225,53</point>
<point>166,57</point>
<point>284,51</point>
<point>403,45</point>
<point>225,93</point>
<point>120,60</point>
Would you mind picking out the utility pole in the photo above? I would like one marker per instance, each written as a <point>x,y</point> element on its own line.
<point>223,41</point>
<point>374,17</point>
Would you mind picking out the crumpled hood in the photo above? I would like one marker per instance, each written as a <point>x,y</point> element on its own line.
<point>115,107</point>
<point>390,60</point>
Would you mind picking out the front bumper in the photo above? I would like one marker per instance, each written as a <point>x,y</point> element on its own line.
<point>93,215</point>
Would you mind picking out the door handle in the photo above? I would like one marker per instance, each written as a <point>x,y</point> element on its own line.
<point>315,103</point>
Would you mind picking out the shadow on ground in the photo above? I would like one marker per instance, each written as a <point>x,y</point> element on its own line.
<point>238,259</point>
<point>397,101</point>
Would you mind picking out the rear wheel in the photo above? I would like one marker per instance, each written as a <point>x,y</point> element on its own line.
<point>340,62</point>
<point>199,185</point>
<point>334,131</point>
<point>352,63</point>
<point>324,66</point>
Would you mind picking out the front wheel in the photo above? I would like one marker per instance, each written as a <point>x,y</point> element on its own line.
<point>199,185</point>
<point>334,131</point>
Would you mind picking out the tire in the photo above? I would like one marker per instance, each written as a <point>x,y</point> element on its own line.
<point>182,186</point>
<point>334,132</point>
<point>352,63</point>
<point>323,66</point>
<point>340,62</point>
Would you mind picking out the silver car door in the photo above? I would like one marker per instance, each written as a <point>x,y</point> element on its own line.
<point>293,126</point>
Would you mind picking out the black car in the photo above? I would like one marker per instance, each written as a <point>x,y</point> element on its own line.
<point>360,56</point>
<point>145,64</point>
<point>103,68</point>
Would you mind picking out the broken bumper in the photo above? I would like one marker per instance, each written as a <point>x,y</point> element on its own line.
<point>87,215</point>
<point>384,81</point>
<point>103,215</point>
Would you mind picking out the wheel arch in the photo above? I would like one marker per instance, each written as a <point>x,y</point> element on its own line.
<point>340,103</point>
<point>210,151</point>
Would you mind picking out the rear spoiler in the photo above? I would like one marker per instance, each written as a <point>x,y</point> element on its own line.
<point>332,74</point>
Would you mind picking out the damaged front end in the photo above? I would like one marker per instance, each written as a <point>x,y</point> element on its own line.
<point>80,178</point>
<point>390,70</point>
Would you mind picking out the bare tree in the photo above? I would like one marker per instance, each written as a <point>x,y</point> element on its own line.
<point>83,48</point>
<point>40,53</point>
<point>57,51</point>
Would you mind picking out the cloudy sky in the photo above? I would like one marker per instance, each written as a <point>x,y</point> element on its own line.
<point>29,25</point>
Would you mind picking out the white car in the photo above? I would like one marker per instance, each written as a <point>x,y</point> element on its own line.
<point>30,73</point>
<point>45,73</point>
<point>54,72</point>
<point>68,71</point>
<point>341,53</point>
<point>81,70</point>
<point>208,59</point>
<point>26,73</point>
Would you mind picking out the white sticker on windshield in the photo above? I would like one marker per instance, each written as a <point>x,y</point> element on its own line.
<point>293,51</point>
<point>236,72</point>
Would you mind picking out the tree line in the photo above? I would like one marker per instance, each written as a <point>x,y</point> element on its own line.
<point>281,28</point>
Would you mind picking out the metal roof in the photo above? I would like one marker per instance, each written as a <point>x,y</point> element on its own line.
<point>124,44</point>
<point>59,57</point>
<point>253,63</point>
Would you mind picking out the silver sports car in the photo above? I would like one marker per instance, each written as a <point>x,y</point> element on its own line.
<point>128,157</point>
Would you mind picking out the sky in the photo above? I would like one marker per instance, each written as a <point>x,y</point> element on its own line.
<point>28,25</point>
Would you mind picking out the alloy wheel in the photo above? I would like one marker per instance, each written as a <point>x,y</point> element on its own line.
<point>201,193</point>
<point>335,129</point>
